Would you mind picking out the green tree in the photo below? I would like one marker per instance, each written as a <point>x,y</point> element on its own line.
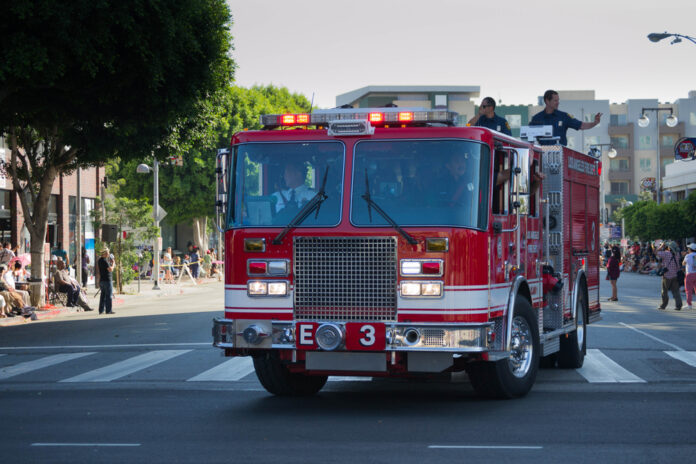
<point>86,80</point>
<point>135,218</point>
<point>187,192</point>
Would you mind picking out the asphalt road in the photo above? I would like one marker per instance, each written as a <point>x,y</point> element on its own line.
<point>146,386</point>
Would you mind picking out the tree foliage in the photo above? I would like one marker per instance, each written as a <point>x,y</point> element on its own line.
<point>86,80</point>
<point>188,192</point>
<point>647,220</point>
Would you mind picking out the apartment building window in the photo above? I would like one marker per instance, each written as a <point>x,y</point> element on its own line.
<point>619,188</point>
<point>644,142</point>
<point>692,118</point>
<point>617,120</point>
<point>668,140</point>
<point>619,164</point>
<point>645,164</point>
<point>441,101</point>
<point>620,141</point>
<point>588,117</point>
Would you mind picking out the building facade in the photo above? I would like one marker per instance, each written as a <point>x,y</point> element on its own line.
<point>633,169</point>
<point>62,208</point>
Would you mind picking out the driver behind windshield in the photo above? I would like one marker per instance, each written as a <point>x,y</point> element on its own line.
<point>455,187</point>
<point>296,192</point>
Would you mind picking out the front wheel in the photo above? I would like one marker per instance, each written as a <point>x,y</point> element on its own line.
<point>512,377</point>
<point>574,344</point>
<point>277,379</point>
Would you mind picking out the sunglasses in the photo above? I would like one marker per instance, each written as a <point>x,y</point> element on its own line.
<point>485,106</point>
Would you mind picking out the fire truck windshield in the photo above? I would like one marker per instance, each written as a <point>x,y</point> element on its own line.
<point>272,182</point>
<point>422,182</point>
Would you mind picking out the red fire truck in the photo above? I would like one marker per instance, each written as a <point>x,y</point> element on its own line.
<point>389,242</point>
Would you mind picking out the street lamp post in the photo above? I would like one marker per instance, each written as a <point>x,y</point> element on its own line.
<point>671,121</point>
<point>657,36</point>
<point>145,169</point>
<point>596,151</point>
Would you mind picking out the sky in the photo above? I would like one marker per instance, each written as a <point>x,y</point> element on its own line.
<point>512,50</point>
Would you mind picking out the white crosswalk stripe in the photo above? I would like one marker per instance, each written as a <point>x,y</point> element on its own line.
<point>23,368</point>
<point>689,357</point>
<point>128,366</point>
<point>599,368</point>
<point>231,370</point>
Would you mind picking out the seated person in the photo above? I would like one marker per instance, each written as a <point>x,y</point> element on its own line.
<point>12,298</point>
<point>296,193</point>
<point>66,284</point>
<point>9,280</point>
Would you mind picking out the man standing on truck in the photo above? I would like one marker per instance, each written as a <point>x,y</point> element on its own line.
<point>488,118</point>
<point>559,120</point>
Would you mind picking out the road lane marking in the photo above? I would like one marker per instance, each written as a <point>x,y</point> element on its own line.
<point>653,337</point>
<point>598,368</point>
<point>85,444</point>
<point>22,368</point>
<point>485,447</point>
<point>689,357</point>
<point>95,347</point>
<point>231,370</point>
<point>128,366</point>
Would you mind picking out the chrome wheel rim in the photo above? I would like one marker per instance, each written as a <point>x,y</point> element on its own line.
<point>580,329</point>
<point>521,347</point>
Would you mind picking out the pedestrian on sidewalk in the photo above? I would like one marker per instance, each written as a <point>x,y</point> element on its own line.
<point>690,279</point>
<point>106,266</point>
<point>614,271</point>
<point>670,283</point>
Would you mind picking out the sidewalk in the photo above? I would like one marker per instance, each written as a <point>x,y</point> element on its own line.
<point>129,295</point>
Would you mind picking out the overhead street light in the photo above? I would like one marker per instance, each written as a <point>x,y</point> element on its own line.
<point>145,169</point>
<point>671,121</point>
<point>657,36</point>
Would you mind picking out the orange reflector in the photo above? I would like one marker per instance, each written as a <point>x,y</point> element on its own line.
<point>405,116</point>
<point>287,119</point>
<point>302,119</point>
<point>375,117</point>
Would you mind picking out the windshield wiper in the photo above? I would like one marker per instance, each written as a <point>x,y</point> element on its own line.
<point>371,204</point>
<point>314,203</point>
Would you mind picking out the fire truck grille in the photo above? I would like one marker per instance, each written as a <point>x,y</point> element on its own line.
<point>345,278</point>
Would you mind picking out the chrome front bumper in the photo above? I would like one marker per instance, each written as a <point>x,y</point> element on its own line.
<point>264,334</point>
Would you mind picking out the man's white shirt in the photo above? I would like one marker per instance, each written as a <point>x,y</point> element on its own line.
<point>302,195</point>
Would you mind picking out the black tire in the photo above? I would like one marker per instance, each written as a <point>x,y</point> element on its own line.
<point>515,376</point>
<point>277,379</point>
<point>574,344</point>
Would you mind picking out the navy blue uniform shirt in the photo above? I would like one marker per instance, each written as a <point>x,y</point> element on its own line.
<point>560,121</point>
<point>496,123</point>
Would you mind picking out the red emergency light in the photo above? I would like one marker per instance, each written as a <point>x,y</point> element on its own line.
<point>405,116</point>
<point>375,117</point>
<point>288,119</point>
<point>302,119</point>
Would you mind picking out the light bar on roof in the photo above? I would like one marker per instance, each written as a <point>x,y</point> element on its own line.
<point>376,116</point>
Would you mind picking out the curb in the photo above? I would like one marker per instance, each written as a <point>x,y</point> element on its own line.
<point>130,293</point>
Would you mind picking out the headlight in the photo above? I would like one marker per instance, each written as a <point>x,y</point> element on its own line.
<point>277,288</point>
<point>257,287</point>
<point>413,289</point>
<point>431,289</point>
<point>267,288</point>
